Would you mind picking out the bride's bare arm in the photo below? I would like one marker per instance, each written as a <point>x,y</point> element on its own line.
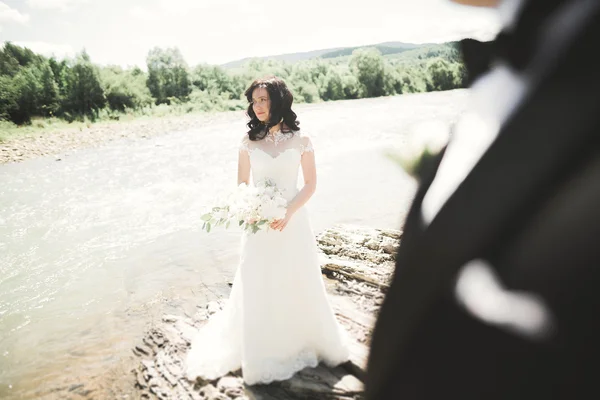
<point>309,171</point>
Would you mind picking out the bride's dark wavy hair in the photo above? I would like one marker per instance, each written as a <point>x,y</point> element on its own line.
<point>280,110</point>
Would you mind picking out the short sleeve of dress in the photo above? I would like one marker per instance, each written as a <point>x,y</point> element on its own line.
<point>243,147</point>
<point>306,145</point>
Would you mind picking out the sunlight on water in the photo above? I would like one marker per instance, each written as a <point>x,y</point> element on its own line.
<point>98,245</point>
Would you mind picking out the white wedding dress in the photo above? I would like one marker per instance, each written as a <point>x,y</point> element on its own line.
<point>277,319</point>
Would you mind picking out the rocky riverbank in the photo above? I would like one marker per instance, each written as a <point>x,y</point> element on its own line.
<point>357,264</point>
<point>48,142</point>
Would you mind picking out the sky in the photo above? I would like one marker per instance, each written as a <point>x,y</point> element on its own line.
<point>122,32</point>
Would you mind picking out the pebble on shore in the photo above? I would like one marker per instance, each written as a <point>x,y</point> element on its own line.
<point>54,143</point>
<point>357,263</point>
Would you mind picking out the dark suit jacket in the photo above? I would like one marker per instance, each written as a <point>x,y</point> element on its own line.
<point>529,209</point>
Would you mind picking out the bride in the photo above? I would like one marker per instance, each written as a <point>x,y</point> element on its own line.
<point>277,319</point>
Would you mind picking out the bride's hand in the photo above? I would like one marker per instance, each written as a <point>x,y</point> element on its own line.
<point>280,224</point>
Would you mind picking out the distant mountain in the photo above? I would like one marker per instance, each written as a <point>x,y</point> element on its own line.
<point>291,57</point>
<point>386,48</point>
<point>448,51</point>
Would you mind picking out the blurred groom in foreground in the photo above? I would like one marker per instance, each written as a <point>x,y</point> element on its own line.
<point>496,293</point>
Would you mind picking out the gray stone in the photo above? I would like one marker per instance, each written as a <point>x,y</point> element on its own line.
<point>170,318</point>
<point>359,263</point>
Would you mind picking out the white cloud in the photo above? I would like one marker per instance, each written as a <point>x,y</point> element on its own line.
<point>48,49</point>
<point>8,14</point>
<point>54,4</point>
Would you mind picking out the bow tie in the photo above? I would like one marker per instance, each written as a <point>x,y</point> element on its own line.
<point>479,56</point>
<point>513,47</point>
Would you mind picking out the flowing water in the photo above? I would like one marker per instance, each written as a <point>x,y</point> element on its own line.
<point>96,247</point>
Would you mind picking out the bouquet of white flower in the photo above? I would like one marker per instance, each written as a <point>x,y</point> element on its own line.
<point>253,207</point>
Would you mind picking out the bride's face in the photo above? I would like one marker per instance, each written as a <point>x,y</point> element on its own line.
<point>261,103</point>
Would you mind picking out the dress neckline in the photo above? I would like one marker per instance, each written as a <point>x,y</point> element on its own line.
<point>278,136</point>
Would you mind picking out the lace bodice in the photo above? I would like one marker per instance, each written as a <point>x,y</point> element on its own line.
<point>277,157</point>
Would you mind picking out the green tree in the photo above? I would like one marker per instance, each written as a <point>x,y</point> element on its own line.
<point>28,84</point>
<point>408,85</point>
<point>125,88</point>
<point>352,89</point>
<point>29,89</point>
<point>441,76</point>
<point>32,85</point>
<point>306,92</point>
<point>12,57</point>
<point>392,83</point>
<point>8,98</point>
<point>333,88</point>
<point>168,76</point>
<point>214,79</point>
<point>50,97</point>
<point>60,71</point>
<point>84,94</point>
<point>368,66</point>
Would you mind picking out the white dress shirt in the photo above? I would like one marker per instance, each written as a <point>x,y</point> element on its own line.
<point>493,97</point>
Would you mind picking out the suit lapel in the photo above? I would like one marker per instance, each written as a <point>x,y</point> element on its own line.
<point>539,144</point>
